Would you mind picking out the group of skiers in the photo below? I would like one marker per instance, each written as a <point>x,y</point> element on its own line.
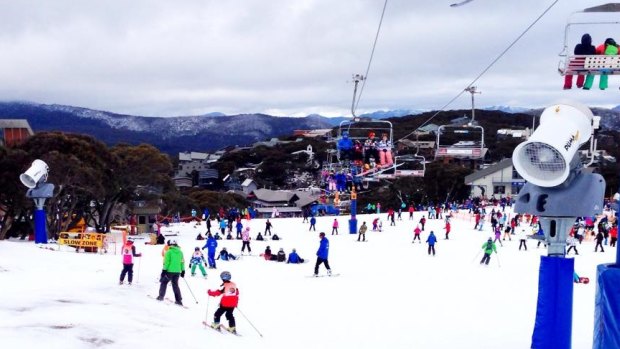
<point>585,47</point>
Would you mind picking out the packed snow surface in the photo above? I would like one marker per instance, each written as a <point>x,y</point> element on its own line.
<point>390,293</point>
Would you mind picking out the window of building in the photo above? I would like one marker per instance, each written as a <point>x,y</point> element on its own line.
<point>499,189</point>
<point>515,174</point>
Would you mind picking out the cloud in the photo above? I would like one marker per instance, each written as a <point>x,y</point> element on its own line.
<point>238,56</point>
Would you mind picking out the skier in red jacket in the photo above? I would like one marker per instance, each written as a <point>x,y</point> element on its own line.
<point>228,303</point>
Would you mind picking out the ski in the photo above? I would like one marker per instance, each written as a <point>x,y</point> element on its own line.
<point>219,329</point>
<point>324,275</point>
<point>168,301</point>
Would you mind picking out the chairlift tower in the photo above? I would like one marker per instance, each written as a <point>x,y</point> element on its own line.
<point>356,79</point>
<point>473,91</point>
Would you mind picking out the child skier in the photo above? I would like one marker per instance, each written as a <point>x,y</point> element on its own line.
<point>335,227</point>
<point>245,236</point>
<point>447,228</point>
<point>312,224</point>
<point>416,234</point>
<point>128,252</point>
<point>422,222</point>
<point>197,260</point>
<point>489,247</point>
<point>228,303</point>
<point>431,240</point>
<point>571,241</point>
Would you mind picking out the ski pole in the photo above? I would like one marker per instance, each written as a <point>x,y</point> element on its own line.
<point>138,273</point>
<point>190,290</point>
<point>476,257</point>
<point>207,312</point>
<point>250,322</point>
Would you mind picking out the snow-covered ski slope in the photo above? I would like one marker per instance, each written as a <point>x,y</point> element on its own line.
<point>390,294</point>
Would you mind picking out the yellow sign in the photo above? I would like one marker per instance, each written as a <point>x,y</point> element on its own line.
<point>82,239</point>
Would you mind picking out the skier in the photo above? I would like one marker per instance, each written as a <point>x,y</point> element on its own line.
<point>362,232</point>
<point>431,240</point>
<point>522,236</point>
<point>174,266</point>
<point>245,236</point>
<point>208,225</point>
<point>447,228</point>
<point>294,258</point>
<point>411,210</point>
<point>322,254</point>
<point>422,222</point>
<point>392,223</point>
<point>489,247</point>
<point>312,224</point>
<point>223,226</point>
<point>416,234</point>
<point>281,255</point>
<point>128,252</point>
<point>375,224</point>
<point>571,241</point>
<point>599,241</point>
<point>268,226</point>
<point>507,233</point>
<point>228,303</point>
<point>335,227</point>
<point>211,246</point>
<point>239,227</point>
<point>613,234</point>
<point>225,255</point>
<point>197,260</point>
<point>498,235</point>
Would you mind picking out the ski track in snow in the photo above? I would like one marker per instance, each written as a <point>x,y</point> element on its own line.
<point>390,293</point>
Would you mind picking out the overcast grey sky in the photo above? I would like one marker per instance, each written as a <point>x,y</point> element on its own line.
<point>284,57</point>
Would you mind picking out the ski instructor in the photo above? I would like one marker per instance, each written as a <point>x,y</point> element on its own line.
<point>321,255</point>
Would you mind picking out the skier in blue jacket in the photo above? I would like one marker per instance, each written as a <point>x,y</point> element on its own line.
<point>211,246</point>
<point>312,224</point>
<point>294,258</point>
<point>322,254</point>
<point>432,239</point>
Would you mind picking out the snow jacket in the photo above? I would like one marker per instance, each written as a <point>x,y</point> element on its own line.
<point>245,235</point>
<point>211,245</point>
<point>223,224</point>
<point>345,143</point>
<point>323,250</point>
<point>585,47</point>
<point>489,247</point>
<point>129,251</point>
<point>173,260</point>
<point>363,229</point>
<point>312,221</point>
<point>432,239</point>
<point>294,258</point>
<point>197,258</point>
<point>335,224</point>
<point>230,293</point>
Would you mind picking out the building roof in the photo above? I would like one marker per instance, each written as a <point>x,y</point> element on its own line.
<point>305,198</point>
<point>268,195</point>
<point>429,128</point>
<point>16,123</point>
<point>191,156</point>
<point>487,171</point>
<point>280,209</point>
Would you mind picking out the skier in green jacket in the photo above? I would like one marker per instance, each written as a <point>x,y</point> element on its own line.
<point>174,266</point>
<point>488,247</point>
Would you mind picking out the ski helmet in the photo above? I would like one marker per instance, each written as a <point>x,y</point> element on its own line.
<point>225,276</point>
<point>173,242</point>
<point>196,248</point>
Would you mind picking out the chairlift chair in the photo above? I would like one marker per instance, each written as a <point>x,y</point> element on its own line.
<point>463,142</point>
<point>589,64</point>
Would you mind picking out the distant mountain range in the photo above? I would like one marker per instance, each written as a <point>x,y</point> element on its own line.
<point>203,132</point>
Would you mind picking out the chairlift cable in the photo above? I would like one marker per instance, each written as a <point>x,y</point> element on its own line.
<point>372,53</point>
<point>485,70</point>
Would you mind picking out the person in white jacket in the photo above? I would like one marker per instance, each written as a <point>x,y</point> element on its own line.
<point>572,245</point>
<point>521,231</point>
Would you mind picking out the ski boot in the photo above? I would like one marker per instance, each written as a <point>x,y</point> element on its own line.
<point>231,330</point>
<point>216,326</point>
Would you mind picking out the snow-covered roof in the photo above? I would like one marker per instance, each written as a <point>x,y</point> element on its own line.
<point>247,182</point>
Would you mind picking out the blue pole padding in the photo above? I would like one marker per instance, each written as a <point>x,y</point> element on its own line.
<point>554,311</point>
<point>353,220</point>
<point>607,308</point>
<point>40,222</point>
